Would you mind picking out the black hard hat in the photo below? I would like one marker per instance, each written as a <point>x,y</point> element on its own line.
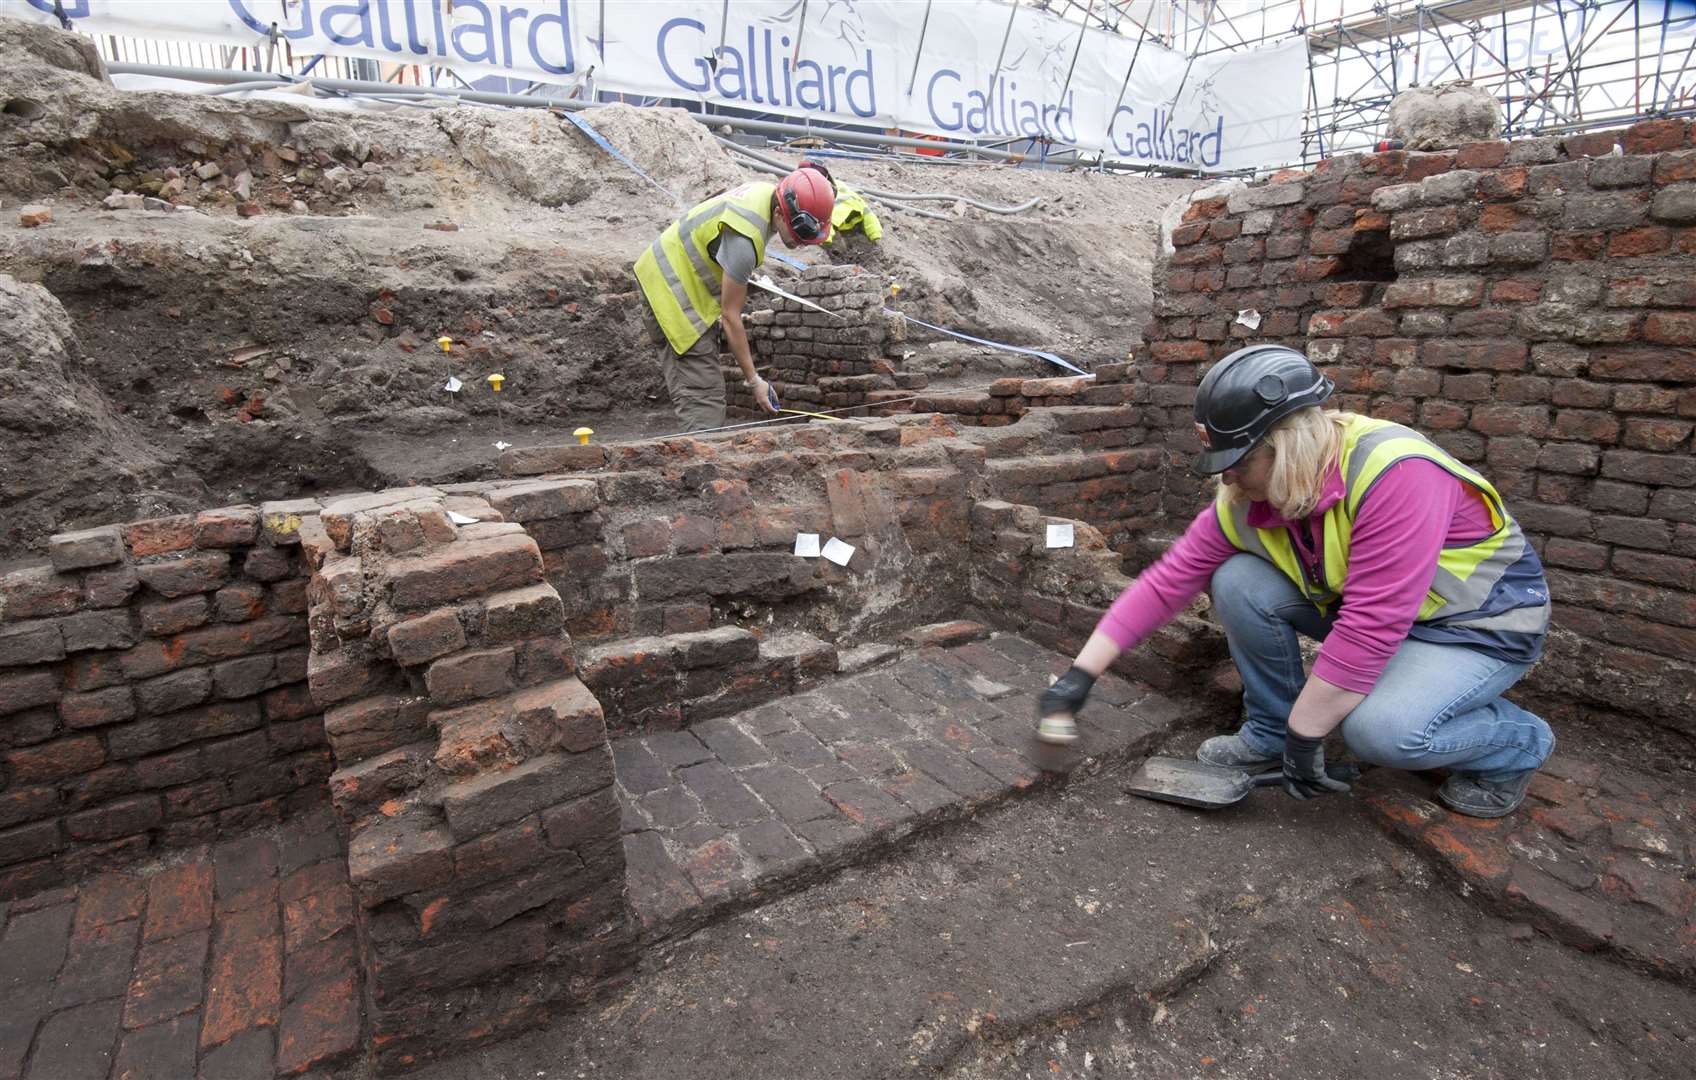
<point>1243,395</point>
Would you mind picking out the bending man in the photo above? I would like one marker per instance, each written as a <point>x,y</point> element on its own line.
<point>696,273</point>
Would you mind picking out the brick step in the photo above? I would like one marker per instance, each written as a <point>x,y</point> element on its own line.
<point>667,681</point>
<point>739,808</point>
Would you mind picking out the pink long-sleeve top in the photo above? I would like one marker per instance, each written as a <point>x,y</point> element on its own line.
<point>1415,508</point>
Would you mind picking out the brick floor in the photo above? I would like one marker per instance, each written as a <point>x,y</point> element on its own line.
<point>734,809</point>
<point>1600,858</point>
<point>230,961</point>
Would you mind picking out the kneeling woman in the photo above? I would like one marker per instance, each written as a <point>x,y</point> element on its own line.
<point>1367,536</point>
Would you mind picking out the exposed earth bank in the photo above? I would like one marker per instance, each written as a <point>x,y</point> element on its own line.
<point>259,314</point>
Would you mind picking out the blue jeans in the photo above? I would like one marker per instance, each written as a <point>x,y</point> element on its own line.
<point>1435,706</point>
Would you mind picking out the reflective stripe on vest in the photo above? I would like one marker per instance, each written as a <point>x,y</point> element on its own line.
<point>851,212</point>
<point>680,280</point>
<point>1464,590</point>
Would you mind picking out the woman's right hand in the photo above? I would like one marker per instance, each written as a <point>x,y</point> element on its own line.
<point>1058,705</point>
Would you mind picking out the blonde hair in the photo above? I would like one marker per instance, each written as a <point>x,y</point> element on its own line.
<point>1306,446</point>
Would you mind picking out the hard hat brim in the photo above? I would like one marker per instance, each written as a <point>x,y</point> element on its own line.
<point>1214,462</point>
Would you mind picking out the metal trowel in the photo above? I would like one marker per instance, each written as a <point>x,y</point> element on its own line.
<point>1193,783</point>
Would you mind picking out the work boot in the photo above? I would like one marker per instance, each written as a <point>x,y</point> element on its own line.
<point>1231,752</point>
<point>1475,796</point>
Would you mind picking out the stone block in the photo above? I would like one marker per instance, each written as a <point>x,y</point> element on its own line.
<point>349,672</point>
<point>541,499</point>
<point>463,569</point>
<point>360,788</point>
<point>89,547</point>
<point>467,676</point>
<point>538,460</point>
<point>20,692</point>
<point>394,856</point>
<point>486,802</point>
<point>560,715</point>
<point>522,613</point>
<point>160,536</point>
<point>365,728</point>
<point>202,572</point>
<point>34,642</point>
<point>37,592</point>
<point>228,527</point>
<point>174,616</point>
<point>280,521</point>
<point>719,647</point>
<point>338,515</point>
<point>801,653</point>
<point>427,637</point>
<point>97,707</point>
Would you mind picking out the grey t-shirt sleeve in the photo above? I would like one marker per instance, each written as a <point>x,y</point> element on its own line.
<point>736,255</point>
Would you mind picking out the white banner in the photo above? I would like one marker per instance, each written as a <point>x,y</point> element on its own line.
<point>966,69</point>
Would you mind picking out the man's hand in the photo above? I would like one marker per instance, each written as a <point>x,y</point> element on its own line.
<point>764,396</point>
<point>1304,768</point>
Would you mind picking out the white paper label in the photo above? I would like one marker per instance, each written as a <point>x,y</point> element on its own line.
<point>1249,318</point>
<point>461,519</point>
<point>807,545</point>
<point>1059,534</point>
<point>453,385</point>
<point>838,552</point>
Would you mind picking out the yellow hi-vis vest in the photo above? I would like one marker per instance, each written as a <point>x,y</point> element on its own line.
<point>851,212</point>
<point>680,280</point>
<point>1467,577</point>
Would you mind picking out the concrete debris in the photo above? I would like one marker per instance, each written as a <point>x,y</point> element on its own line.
<point>1444,117</point>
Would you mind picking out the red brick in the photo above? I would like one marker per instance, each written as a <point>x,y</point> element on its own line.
<point>168,979</point>
<point>320,1028</point>
<point>1661,435</point>
<point>231,526</point>
<point>198,573</point>
<point>1494,355</point>
<point>245,978</point>
<point>1481,155</point>
<point>179,900</point>
<point>1670,328</point>
<point>1576,247</point>
<point>55,760</point>
<point>160,536</point>
<point>466,568</point>
<point>426,637</point>
<point>1649,240</point>
<point>1516,291</point>
<point>1648,365</point>
<point>1598,427</point>
<point>1502,217</point>
<point>1652,136</point>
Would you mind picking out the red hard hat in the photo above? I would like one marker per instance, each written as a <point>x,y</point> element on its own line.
<point>805,199</point>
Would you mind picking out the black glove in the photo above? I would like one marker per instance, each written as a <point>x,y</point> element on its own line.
<point>1304,768</point>
<point>1067,695</point>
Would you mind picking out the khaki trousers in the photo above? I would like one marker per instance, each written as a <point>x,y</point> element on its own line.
<point>694,380</point>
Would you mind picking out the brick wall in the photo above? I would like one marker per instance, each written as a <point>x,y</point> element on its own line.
<point>1529,305</point>
<point>816,360</point>
<point>473,773</point>
<point>152,691</point>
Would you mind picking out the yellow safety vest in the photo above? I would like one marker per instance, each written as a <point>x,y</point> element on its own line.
<point>851,212</point>
<point>1467,577</point>
<point>680,280</point>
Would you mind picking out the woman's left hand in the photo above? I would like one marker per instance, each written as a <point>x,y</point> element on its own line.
<point>1304,768</point>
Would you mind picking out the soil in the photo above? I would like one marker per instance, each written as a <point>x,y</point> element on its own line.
<point>1090,934</point>
<point>276,334</point>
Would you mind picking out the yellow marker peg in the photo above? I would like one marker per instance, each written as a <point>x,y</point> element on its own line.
<point>583,434</point>
<point>446,343</point>
<point>496,380</point>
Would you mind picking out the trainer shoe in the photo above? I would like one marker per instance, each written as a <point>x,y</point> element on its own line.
<point>1231,752</point>
<point>1061,730</point>
<point>1475,796</point>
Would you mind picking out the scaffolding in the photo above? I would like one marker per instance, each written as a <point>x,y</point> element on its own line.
<point>1556,66</point>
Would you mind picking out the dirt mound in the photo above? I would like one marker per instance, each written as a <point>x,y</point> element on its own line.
<point>67,451</point>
